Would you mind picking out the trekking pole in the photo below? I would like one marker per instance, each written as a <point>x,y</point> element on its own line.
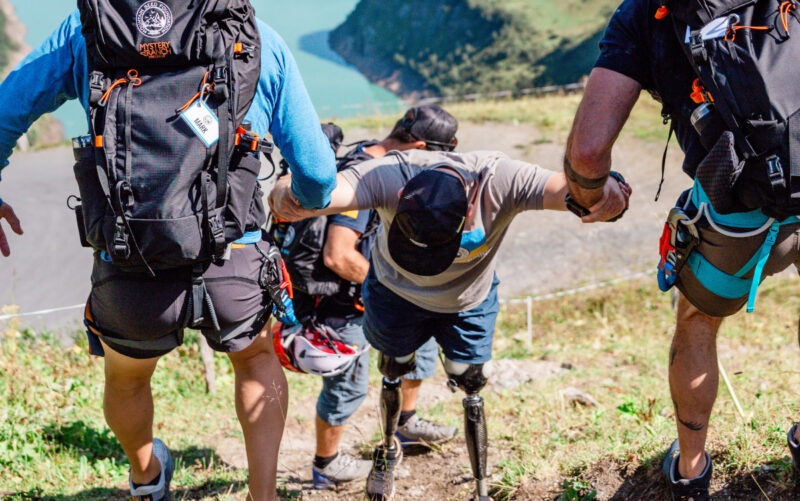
<point>730,390</point>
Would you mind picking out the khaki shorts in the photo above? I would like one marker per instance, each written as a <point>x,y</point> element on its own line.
<point>731,254</point>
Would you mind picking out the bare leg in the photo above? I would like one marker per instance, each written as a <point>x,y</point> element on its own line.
<point>797,430</point>
<point>328,438</point>
<point>694,380</point>
<point>128,407</point>
<point>262,398</point>
<point>410,391</point>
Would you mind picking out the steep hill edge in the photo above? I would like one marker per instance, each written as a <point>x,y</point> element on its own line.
<point>447,47</point>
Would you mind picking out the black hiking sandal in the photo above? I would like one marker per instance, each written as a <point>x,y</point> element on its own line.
<point>380,482</point>
<point>794,447</point>
<point>695,489</point>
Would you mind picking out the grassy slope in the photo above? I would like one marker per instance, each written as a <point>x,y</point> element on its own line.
<point>508,44</point>
<point>54,444</point>
<point>6,45</point>
<point>553,115</point>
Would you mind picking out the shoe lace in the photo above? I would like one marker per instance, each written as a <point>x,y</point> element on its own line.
<point>425,425</point>
<point>345,461</point>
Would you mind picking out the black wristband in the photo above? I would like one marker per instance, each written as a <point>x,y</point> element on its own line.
<point>584,182</point>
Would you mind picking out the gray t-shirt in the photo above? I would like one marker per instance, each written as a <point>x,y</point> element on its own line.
<point>498,187</point>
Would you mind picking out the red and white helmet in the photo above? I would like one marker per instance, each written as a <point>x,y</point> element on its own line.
<point>313,349</point>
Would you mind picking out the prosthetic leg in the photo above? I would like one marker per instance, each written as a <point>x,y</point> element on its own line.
<point>391,395</point>
<point>386,457</point>
<point>470,379</point>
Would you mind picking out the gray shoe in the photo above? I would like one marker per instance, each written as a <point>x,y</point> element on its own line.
<point>421,431</point>
<point>342,469</point>
<point>159,492</point>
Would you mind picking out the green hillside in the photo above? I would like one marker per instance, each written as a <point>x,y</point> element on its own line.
<point>463,46</point>
<point>7,46</point>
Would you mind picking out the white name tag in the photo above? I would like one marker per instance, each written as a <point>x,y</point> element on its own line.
<point>203,122</point>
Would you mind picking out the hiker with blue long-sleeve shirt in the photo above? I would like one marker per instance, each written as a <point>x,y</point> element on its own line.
<point>178,100</point>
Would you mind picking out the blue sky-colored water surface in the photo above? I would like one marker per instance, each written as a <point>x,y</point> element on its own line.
<point>337,90</point>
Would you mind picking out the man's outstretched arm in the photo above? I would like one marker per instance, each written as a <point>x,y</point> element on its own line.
<point>285,206</point>
<point>606,105</point>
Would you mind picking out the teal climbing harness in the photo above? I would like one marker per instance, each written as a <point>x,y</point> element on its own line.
<point>730,286</point>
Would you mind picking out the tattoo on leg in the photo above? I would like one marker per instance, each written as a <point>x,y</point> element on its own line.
<point>692,425</point>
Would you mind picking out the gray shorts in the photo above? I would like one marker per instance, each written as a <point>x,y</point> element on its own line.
<point>144,317</point>
<point>729,255</point>
<point>342,395</point>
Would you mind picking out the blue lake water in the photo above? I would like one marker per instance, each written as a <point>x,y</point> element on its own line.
<point>337,89</point>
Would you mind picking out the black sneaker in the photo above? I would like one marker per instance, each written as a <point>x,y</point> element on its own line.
<point>695,489</point>
<point>794,447</point>
<point>380,482</point>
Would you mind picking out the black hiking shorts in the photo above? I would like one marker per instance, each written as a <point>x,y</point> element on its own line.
<point>142,317</point>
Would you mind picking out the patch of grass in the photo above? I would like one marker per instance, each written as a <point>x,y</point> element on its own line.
<point>54,443</point>
<point>552,115</point>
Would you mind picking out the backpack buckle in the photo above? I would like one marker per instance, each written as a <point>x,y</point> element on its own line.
<point>252,142</point>
<point>216,231</point>
<point>220,77</point>
<point>243,50</point>
<point>96,87</point>
<point>698,47</point>
<point>775,173</point>
<point>266,147</point>
<point>121,247</point>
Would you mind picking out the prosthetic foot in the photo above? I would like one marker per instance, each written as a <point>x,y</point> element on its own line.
<point>477,443</point>
<point>380,482</point>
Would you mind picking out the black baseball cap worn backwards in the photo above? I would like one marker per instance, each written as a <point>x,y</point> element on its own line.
<point>432,124</point>
<point>425,235</point>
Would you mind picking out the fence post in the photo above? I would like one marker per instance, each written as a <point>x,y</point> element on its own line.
<point>529,304</point>
<point>207,354</point>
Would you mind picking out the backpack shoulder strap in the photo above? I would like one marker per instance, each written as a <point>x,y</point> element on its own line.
<point>372,226</point>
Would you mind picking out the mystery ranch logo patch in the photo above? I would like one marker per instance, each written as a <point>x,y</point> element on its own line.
<point>154,19</point>
<point>155,50</point>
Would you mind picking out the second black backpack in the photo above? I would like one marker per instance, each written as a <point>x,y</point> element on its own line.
<point>303,245</point>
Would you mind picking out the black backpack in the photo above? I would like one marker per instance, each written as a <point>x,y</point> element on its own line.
<point>305,240</point>
<point>157,190</point>
<point>747,88</point>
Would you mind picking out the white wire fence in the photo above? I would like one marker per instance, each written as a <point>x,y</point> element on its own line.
<point>528,300</point>
<point>398,106</point>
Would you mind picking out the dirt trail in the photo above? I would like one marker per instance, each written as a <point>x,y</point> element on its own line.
<point>442,474</point>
